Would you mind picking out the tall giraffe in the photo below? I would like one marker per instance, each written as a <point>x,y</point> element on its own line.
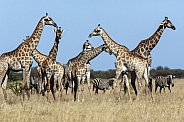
<point>82,67</point>
<point>50,66</point>
<point>145,46</point>
<point>125,59</point>
<point>40,58</point>
<point>20,59</point>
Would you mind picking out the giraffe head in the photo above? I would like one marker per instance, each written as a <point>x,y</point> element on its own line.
<point>58,32</point>
<point>166,23</point>
<point>87,46</point>
<point>96,32</point>
<point>48,20</point>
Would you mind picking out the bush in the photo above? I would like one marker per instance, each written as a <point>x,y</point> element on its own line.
<point>15,87</point>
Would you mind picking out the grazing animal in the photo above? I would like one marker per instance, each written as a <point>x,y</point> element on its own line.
<point>102,84</point>
<point>164,81</point>
<point>20,59</point>
<point>126,61</point>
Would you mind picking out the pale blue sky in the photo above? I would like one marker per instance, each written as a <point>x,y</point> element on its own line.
<point>127,22</point>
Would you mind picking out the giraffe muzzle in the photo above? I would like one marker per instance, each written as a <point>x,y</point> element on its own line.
<point>90,35</point>
<point>174,28</point>
<point>55,25</point>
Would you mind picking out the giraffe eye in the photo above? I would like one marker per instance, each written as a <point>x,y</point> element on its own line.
<point>47,19</point>
<point>97,31</point>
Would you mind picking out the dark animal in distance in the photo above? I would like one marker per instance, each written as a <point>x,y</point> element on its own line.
<point>164,81</point>
<point>34,84</point>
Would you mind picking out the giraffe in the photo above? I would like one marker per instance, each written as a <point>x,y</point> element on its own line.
<point>20,59</point>
<point>50,67</point>
<point>40,58</point>
<point>125,59</point>
<point>82,67</point>
<point>68,69</point>
<point>146,46</point>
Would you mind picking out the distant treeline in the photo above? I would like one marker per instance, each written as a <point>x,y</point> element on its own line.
<point>179,73</point>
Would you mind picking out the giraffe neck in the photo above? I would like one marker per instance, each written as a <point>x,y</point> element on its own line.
<point>53,52</point>
<point>154,39</point>
<point>28,45</point>
<point>113,46</point>
<point>148,44</point>
<point>90,54</point>
<point>34,39</point>
<point>38,57</point>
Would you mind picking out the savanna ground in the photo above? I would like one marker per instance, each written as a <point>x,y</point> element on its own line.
<point>103,108</point>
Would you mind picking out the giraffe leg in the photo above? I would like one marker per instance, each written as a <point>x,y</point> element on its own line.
<point>54,87</point>
<point>28,83</point>
<point>147,78</point>
<point>133,79</point>
<point>125,78</point>
<point>4,87</point>
<point>4,77</point>
<point>60,87</point>
<point>40,80</point>
<point>75,90</point>
<point>121,85</point>
<point>138,79</point>
<point>75,87</point>
<point>82,87</point>
<point>118,73</point>
<point>89,84</point>
<point>79,87</point>
<point>60,83</point>
<point>23,84</point>
<point>48,86</point>
<point>43,85</point>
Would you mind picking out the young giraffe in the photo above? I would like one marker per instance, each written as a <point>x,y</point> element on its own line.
<point>68,69</point>
<point>80,69</point>
<point>146,46</point>
<point>50,67</point>
<point>40,58</point>
<point>125,59</point>
<point>20,59</point>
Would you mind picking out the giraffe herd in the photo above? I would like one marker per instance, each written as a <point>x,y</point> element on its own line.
<point>51,73</point>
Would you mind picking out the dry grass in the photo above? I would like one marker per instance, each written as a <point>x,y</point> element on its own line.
<point>166,107</point>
